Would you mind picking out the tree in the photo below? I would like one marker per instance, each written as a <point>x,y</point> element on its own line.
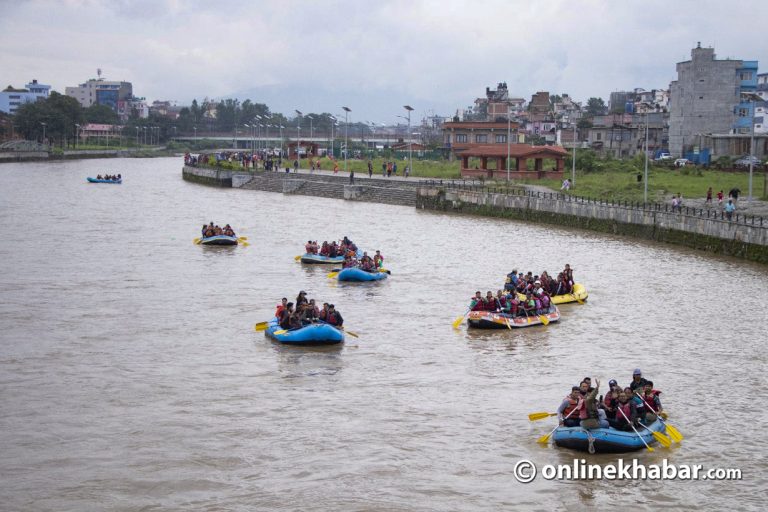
<point>100,114</point>
<point>60,113</point>
<point>595,107</point>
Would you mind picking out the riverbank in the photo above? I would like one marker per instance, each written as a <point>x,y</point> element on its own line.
<point>746,236</point>
<point>78,154</point>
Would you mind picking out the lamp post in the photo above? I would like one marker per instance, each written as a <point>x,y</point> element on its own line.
<point>281,141</point>
<point>752,97</point>
<point>333,124</point>
<point>195,130</point>
<point>43,131</point>
<point>645,173</point>
<point>410,141</point>
<point>573,164</point>
<point>346,135</point>
<point>137,135</point>
<point>77,133</point>
<point>509,137</point>
<point>298,135</point>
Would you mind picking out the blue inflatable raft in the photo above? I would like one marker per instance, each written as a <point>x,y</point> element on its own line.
<point>357,274</point>
<point>114,182</point>
<point>325,260</point>
<point>219,240</point>
<point>605,440</point>
<point>313,334</point>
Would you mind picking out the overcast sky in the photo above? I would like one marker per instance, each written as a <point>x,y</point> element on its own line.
<point>372,56</point>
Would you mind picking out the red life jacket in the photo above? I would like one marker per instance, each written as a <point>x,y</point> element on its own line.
<point>623,408</point>
<point>279,310</point>
<point>573,403</point>
<point>479,304</point>
<point>651,401</point>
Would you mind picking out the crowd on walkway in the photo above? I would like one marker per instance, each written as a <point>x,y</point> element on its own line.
<point>621,408</point>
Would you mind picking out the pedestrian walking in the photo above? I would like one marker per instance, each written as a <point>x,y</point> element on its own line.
<point>351,177</point>
<point>709,195</point>
<point>370,169</point>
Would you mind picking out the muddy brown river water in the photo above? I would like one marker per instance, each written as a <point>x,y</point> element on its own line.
<point>131,377</point>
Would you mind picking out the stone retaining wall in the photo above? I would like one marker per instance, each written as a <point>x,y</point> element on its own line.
<point>740,239</point>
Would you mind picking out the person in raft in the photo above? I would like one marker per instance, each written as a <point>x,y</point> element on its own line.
<point>378,259</point>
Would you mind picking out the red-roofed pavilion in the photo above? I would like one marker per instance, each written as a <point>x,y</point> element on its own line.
<point>519,168</point>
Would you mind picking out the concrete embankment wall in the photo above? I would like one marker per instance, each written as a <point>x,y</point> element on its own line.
<point>746,238</point>
<point>75,154</point>
<point>374,190</point>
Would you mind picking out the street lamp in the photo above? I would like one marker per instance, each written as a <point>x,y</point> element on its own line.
<point>43,131</point>
<point>281,141</point>
<point>509,136</point>
<point>410,141</point>
<point>573,164</point>
<point>298,135</point>
<point>333,124</point>
<point>137,135</point>
<point>77,133</point>
<point>195,130</point>
<point>346,135</point>
<point>752,97</point>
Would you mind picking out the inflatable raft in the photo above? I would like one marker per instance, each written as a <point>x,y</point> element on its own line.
<point>357,274</point>
<point>114,182</point>
<point>579,294</point>
<point>490,320</point>
<point>219,240</point>
<point>313,334</point>
<point>317,259</point>
<point>605,440</point>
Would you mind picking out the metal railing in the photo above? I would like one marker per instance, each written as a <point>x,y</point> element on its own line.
<point>703,213</point>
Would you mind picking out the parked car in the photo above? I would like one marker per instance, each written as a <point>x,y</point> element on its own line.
<point>662,157</point>
<point>682,162</point>
<point>746,160</point>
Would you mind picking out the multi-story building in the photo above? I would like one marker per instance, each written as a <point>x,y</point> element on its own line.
<point>461,135</point>
<point>623,135</point>
<point>11,98</point>
<point>706,99</point>
<point>497,104</point>
<point>101,92</point>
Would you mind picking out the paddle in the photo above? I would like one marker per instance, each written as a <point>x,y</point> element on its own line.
<point>297,258</point>
<point>242,238</point>
<point>577,299</point>
<point>544,319</point>
<point>353,334</point>
<point>673,432</point>
<point>456,323</point>
<point>545,438</point>
<point>536,416</point>
<point>332,275</point>
<point>261,326</point>
<point>661,438</point>
<point>385,270</point>
<point>196,241</point>
<point>633,428</point>
<point>281,331</point>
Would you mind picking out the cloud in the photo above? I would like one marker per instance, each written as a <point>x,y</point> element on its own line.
<point>438,55</point>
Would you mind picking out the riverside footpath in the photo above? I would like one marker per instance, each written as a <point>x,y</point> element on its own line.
<point>745,236</point>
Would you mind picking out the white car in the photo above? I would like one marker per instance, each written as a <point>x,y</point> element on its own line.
<point>663,156</point>
<point>682,162</point>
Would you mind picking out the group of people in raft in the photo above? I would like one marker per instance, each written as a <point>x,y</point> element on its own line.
<point>621,408</point>
<point>304,311</point>
<point>214,230</point>
<point>109,177</point>
<point>348,249</point>
<point>524,283</point>
<point>537,291</point>
<point>331,250</point>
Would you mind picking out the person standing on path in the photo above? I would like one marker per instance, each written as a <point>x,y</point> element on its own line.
<point>296,165</point>
<point>370,169</point>
<point>351,177</point>
<point>729,209</point>
<point>383,168</point>
<point>407,170</point>
<point>709,195</point>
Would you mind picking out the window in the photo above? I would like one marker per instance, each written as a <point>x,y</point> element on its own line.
<point>461,137</point>
<point>701,97</point>
<point>745,75</point>
<point>500,139</point>
<point>599,136</point>
<point>481,138</point>
<point>743,112</point>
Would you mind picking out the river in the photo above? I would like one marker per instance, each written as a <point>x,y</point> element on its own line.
<point>131,377</point>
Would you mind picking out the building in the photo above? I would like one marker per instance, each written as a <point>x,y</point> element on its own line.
<point>617,102</point>
<point>132,107</point>
<point>98,91</point>
<point>11,98</point>
<point>706,99</point>
<point>540,105</point>
<point>461,135</point>
<point>496,154</point>
<point>165,109</point>
<point>496,105</point>
<point>623,135</point>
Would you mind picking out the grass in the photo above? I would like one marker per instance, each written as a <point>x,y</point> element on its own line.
<point>662,184</point>
<point>421,168</point>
